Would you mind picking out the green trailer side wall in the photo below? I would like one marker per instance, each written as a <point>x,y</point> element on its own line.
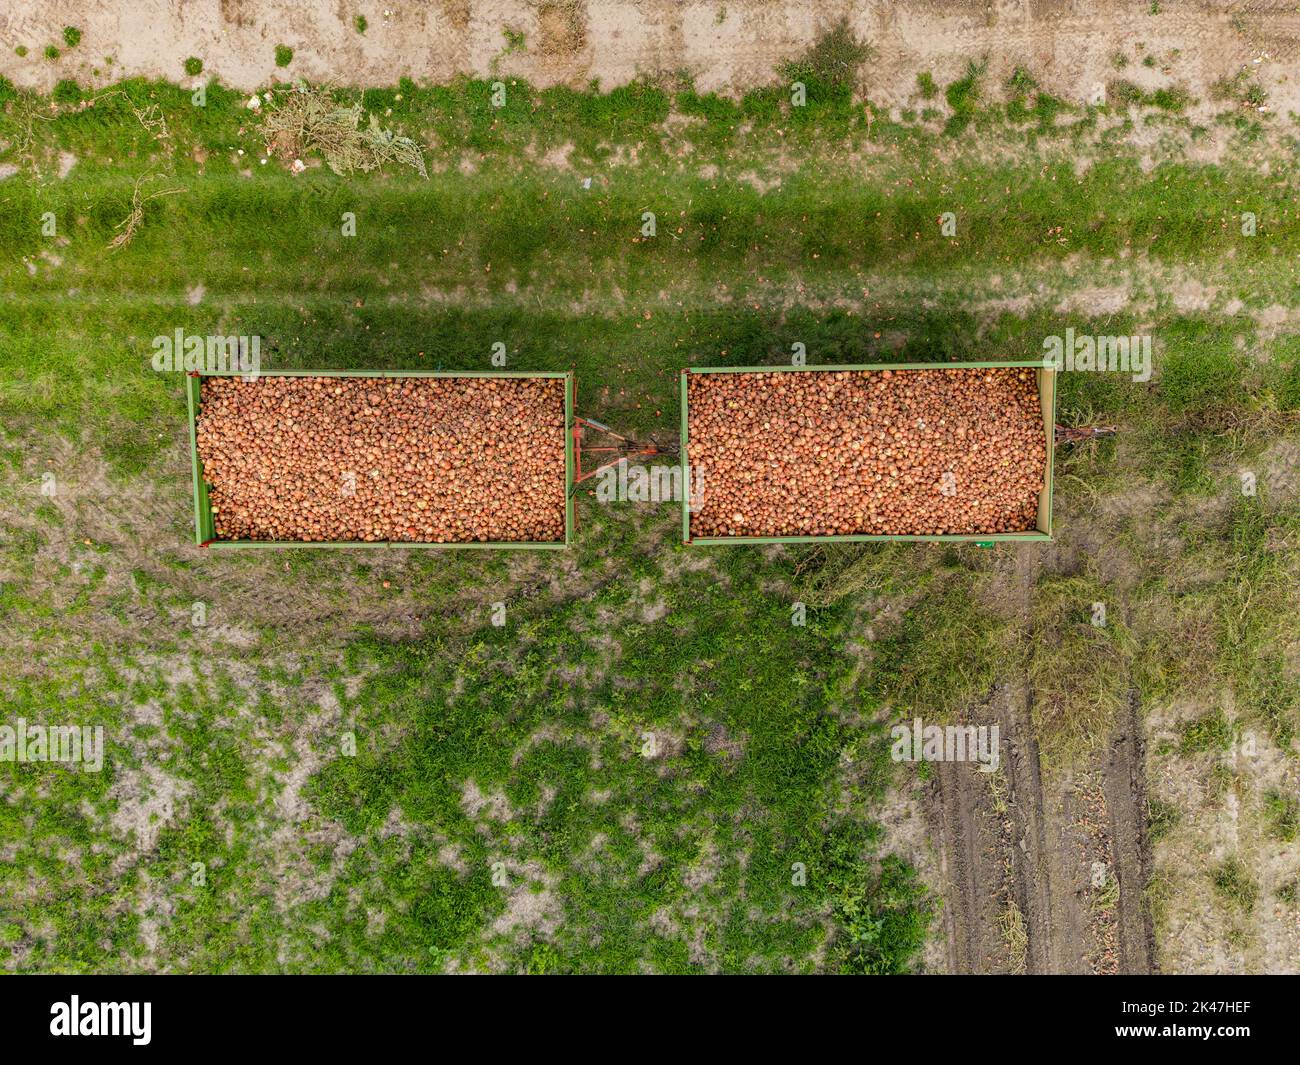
<point>570,406</point>
<point>1047,398</point>
<point>686,465</point>
<point>205,529</point>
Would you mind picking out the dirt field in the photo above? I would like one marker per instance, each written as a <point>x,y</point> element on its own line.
<point>725,46</point>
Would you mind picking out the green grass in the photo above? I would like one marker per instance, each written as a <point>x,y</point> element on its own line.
<point>1235,886</point>
<point>545,225</point>
<point>283,55</point>
<point>1282,812</point>
<point>1162,818</point>
<point>1212,732</point>
<point>471,708</point>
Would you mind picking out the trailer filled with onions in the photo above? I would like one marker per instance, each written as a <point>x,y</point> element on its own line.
<point>382,459</point>
<point>910,451</point>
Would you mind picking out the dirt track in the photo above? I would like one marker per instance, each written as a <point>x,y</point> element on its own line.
<point>1069,46</point>
<point>1029,872</point>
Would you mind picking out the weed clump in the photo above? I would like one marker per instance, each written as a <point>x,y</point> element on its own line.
<point>884,923</point>
<point>310,119</point>
<point>1283,813</point>
<point>1162,818</point>
<point>829,69</point>
<point>1212,732</point>
<point>963,97</point>
<point>1079,670</point>
<point>1240,89</point>
<point>1125,92</point>
<point>1235,886</point>
<point>67,92</point>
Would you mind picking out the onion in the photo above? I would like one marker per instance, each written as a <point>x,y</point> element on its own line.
<point>886,452</point>
<point>374,459</point>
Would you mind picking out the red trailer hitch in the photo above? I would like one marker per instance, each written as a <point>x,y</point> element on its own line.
<point>623,448</point>
<point>1066,434</point>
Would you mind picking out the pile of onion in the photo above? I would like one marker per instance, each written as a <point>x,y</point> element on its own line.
<point>855,452</point>
<point>419,459</point>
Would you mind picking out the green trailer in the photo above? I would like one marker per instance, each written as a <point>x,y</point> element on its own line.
<point>204,528</point>
<point>1047,395</point>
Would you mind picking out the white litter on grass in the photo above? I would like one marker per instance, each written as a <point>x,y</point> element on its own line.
<point>298,166</point>
<point>254,103</point>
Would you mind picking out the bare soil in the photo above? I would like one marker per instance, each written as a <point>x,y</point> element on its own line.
<point>1070,48</point>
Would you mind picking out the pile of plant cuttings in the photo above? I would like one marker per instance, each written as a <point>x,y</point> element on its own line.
<point>308,118</point>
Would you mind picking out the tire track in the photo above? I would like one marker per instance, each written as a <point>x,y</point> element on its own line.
<point>1125,790</point>
<point>1043,873</point>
